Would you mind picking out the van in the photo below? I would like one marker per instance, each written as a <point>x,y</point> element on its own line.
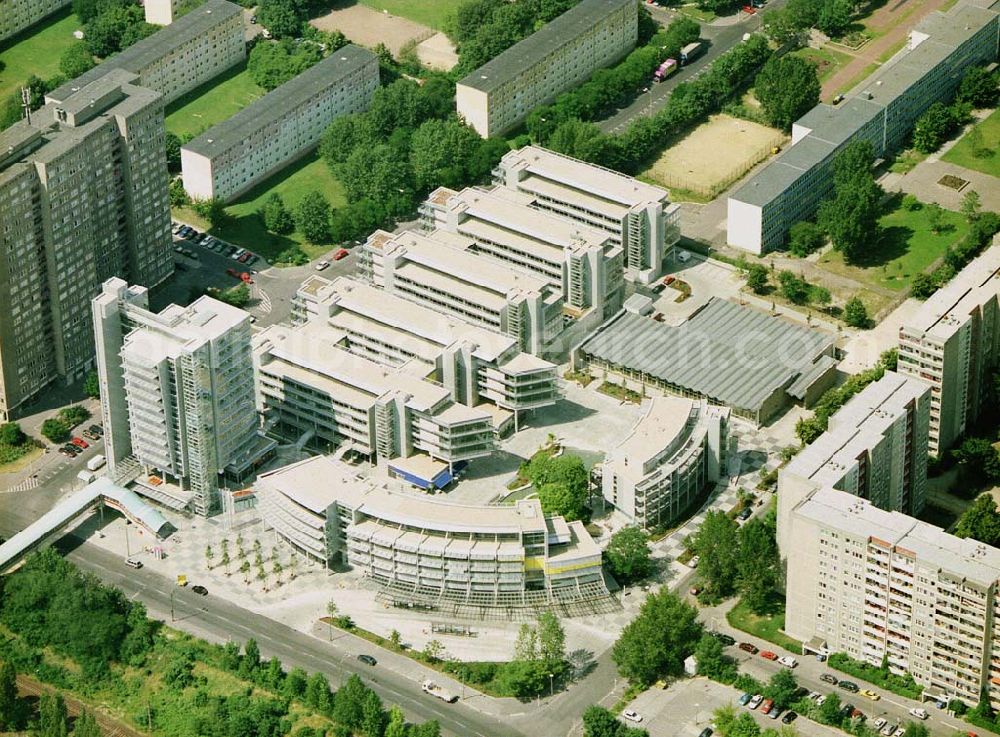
<point>133,563</point>
<point>86,476</point>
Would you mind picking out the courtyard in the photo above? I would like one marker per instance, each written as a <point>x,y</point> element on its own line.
<point>36,51</point>
<point>213,102</point>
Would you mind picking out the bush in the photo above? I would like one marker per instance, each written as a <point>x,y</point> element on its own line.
<point>55,431</point>
<point>293,256</point>
<point>805,237</point>
<point>11,434</point>
<point>74,415</point>
<point>856,314</point>
<point>904,685</point>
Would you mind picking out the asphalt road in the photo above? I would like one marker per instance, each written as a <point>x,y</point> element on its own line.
<point>719,40</point>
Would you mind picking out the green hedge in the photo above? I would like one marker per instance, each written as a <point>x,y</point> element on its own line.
<point>902,685</point>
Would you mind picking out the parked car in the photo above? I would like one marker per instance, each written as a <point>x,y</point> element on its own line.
<point>745,514</point>
<point>67,452</point>
<point>90,435</point>
<point>254,258</point>
<point>829,678</point>
<point>133,563</point>
<point>722,637</point>
<point>178,249</point>
<point>367,659</point>
<point>706,732</point>
<point>230,250</point>
<point>768,655</point>
<point>755,701</point>
<point>341,253</point>
<point>632,715</point>
<point>96,429</point>
<point>849,686</point>
<point>200,590</point>
<point>694,590</point>
<point>846,710</point>
<point>879,723</point>
<point>888,730</point>
<point>790,716</point>
<point>821,657</point>
<point>244,258</point>
<point>775,712</point>
<point>766,706</point>
<point>693,563</point>
<point>918,713</point>
<point>744,699</point>
<point>80,443</point>
<point>320,265</point>
<point>788,661</point>
<point>748,648</point>
<point>869,694</point>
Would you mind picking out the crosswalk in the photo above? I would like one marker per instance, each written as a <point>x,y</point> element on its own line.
<point>29,483</point>
<point>264,302</point>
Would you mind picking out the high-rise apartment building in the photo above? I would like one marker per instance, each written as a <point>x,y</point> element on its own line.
<point>190,51</point>
<point>953,344</point>
<point>241,151</point>
<point>83,198</point>
<point>177,391</point>
<point>883,111</point>
<point>875,447</point>
<point>16,15</point>
<point>559,56</point>
<point>440,270</point>
<point>637,216</point>
<point>581,262</point>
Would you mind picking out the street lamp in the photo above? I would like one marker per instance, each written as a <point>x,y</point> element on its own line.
<point>172,592</point>
<point>550,686</point>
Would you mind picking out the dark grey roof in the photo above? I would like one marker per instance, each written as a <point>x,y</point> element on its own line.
<point>275,104</point>
<point>142,54</point>
<point>733,355</point>
<point>526,53</point>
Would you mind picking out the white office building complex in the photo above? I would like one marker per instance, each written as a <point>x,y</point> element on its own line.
<point>478,367</point>
<point>83,198</point>
<point>882,111</point>
<point>310,384</point>
<point>453,558</point>
<point>875,447</point>
<point>953,344</point>
<point>177,394</point>
<point>241,151</point>
<point>16,15</point>
<point>442,271</point>
<point>581,262</point>
<point>638,217</point>
<point>190,51</point>
<point>676,450</point>
<point>589,36</point>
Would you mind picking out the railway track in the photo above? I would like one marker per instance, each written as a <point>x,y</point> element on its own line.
<point>110,727</point>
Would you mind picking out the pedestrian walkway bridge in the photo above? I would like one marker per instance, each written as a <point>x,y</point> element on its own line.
<point>104,492</point>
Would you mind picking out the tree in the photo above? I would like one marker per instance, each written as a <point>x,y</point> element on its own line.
<point>312,216</point>
<point>396,723</point>
<point>835,17</point>
<point>744,726</point>
<point>628,555</point>
<point>935,217</point>
<point>971,205</point>
<point>395,640</point>
<point>923,286</point>
<point>978,461</point>
<point>55,430</point>
<point>209,554</point>
<point>829,711</point>
<point>526,647</point>
<point>933,127</point>
<point>656,643</point>
<point>978,88</point>
<point>172,143</point>
<point>10,706</point>
<point>282,18</point>
<point>376,173</point>
<point>757,278</point>
<point>558,499</point>
<point>349,703</point>
<point>116,28</point>
<point>76,60</point>
<point>600,722</point>
<point>804,237</point>
<point>11,434</point>
<point>212,209</point>
<point>52,716</point>
<point>793,287</point>
<point>317,693</point>
<point>856,314</point>
<point>757,563</point>
<point>86,725</point>
<point>251,658</point>
<point>276,216</point>
<point>551,640</point>
<point>712,660</point>
<point>238,296</point>
<point>787,87</point>
<point>440,153</point>
<point>331,612</point>
<point>225,560</point>
<point>915,729</point>
<point>178,197</point>
<point>782,688</point>
<point>851,216</point>
<point>717,544</point>
<point>92,385</point>
<point>245,570</point>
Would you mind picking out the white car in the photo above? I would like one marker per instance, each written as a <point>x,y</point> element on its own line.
<point>693,563</point>
<point>888,730</point>
<point>788,661</point>
<point>632,716</point>
<point>683,256</point>
<point>320,265</point>
<point>755,701</point>
<point>918,713</point>
<point>879,723</point>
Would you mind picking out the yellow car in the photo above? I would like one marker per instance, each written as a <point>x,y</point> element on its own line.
<point>870,694</point>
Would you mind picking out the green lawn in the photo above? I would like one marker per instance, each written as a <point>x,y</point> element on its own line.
<point>36,51</point>
<point>245,227</point>
<point>827,61</point>
<point>964,153</point>
<point>212,102</point>
<point>765,626</point>
<point>907,247</point>
<point>433,13</point>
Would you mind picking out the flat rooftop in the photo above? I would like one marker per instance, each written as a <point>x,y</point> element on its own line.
<point>140,55</point>
<point>948,308</point>
<point>274,106</point>
<point>316,483</point>
<point>856,428</point>
<point>525,54</point>
<point>575,181</point>
<point>176,330</point>
<point>730,354</point>
<point>663,421</point>
<point>932,546</point>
